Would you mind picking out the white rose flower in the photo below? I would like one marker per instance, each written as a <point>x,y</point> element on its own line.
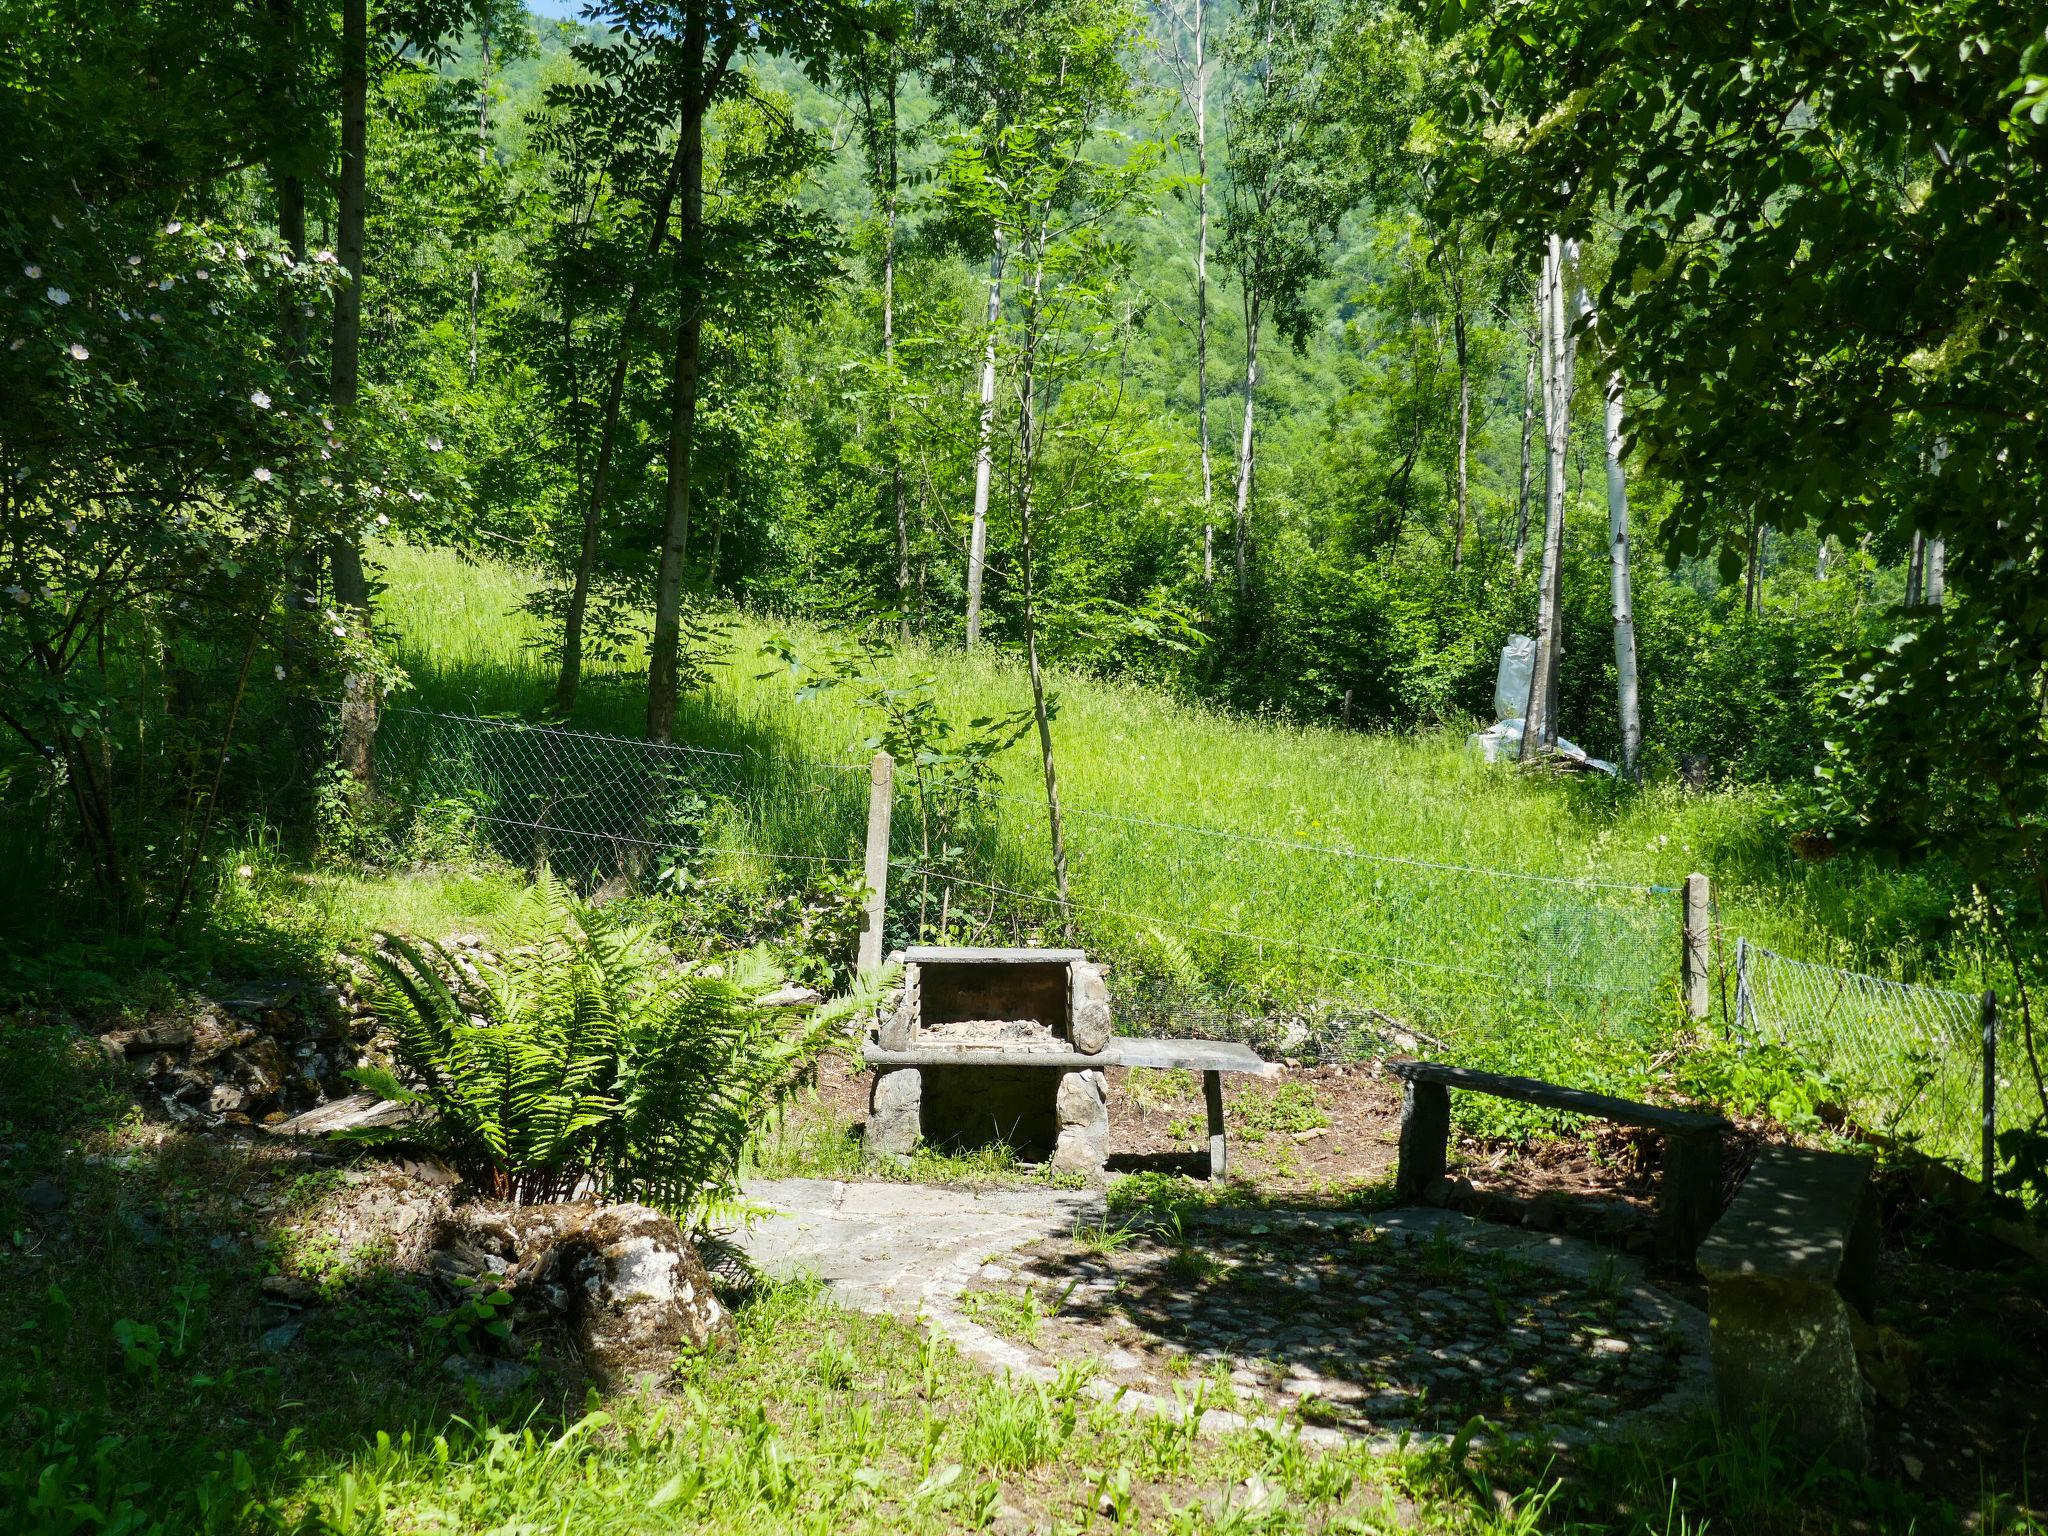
<point>260,400</point>
<point>383,521</point>
<point>78,351</point>
<point>173,227</point>
<point>32,271</point>
<point>134,261</point>
<point>279,671</point>
<point>263,474</point>
<point>56,295</point>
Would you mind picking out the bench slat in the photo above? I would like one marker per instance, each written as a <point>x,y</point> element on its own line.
<point>1529,1090</point>
<point>1122,1051</point>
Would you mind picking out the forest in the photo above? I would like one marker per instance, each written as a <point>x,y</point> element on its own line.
<point>480,475</point>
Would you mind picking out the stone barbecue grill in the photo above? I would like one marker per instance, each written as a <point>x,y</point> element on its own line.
<point>1013,1045</point>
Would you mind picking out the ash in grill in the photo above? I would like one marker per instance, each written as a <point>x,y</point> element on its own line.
<point>991,1045</point>
<point>1050,1000</point>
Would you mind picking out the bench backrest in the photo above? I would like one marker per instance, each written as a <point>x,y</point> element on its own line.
<point>1530,1090</point>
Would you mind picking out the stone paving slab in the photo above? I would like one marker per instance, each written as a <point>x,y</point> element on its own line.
<point>913,1250</point>
<point>879,1246</point>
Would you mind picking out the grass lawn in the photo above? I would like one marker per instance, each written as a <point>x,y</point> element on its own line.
<point>145,1388</point>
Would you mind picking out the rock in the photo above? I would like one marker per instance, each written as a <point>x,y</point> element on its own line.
<point>895,1110</point>
<point>1091,1022</point>
<point>282,1337</point>
<point>163,1036</point>
<point>1082,1110</point>
<point>45,1197</point>
<point>898,1028</point>
<point>1610,1346</point>
<point>290,1288</point>
<point>623,1279</point>
<point>489,1375</point>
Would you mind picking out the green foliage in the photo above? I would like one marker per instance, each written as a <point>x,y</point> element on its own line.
<point>583,1053</point>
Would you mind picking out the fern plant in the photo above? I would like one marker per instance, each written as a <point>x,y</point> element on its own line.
<point>585,1059</point>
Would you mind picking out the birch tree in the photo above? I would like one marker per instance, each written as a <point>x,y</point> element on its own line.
<point>1048,175</point>
<point>1539,720</point>
<point>1289,181</point>
<point>1189,21</point>
<point>1627,690</point>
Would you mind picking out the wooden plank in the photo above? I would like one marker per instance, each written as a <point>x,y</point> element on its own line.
<point>1212,1098</point>
<point>875,869</point>
<point>1529,1090</point>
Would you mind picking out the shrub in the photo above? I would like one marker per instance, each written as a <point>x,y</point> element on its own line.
<point>586,1057</point>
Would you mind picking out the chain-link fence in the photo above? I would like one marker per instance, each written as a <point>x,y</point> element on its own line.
<point>1908,1060</point>
<point>594,808</point>
<point>1318,949</point>
<point>1335,946</point>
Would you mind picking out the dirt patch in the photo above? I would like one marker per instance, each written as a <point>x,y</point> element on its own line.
<point>1324,1133</point>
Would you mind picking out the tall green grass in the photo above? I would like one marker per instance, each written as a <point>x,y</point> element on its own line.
<point>1266,861</point>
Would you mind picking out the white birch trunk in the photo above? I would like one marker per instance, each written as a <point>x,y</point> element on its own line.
<point>984,453</point>
<point>1936,574</point>
<point>1529,395</point>
<point>1200,91</point>
<point>1627,695</point>
<point>1245,463</point>
<point>1539,720</point>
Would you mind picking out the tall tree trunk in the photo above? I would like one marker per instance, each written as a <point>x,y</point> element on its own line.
<point>984,452</point>
<point>1241,525</point>
<point>1027,447</point>
<point>483,160</point>
<point>357,738</point>
<point>1934,571</point>
<point>1539,720</point>
<point>664,653</point>
<point>1464,423</point>
<point>1201,115</point>
<point>1627,694</point>
<point>898,493</point>
<point>570,678</point>
<point>1916,563</point>
<point>1529,384</point>
<point>1820,558</point>
<point>1753,586</point>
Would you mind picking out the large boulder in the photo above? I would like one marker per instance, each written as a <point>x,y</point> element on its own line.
<point>622,1280</point>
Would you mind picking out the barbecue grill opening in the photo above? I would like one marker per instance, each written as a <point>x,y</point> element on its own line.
<point>1020,1002</point>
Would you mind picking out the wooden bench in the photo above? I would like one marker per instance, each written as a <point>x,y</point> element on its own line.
<point>1211,1058</point>
<point>1785,1267</point>
<point>1692,1141</point>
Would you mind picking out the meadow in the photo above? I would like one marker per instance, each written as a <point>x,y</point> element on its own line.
<point>1191,817</point>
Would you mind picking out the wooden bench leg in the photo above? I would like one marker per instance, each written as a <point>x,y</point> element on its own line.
<point>1691,1190</point>
<point>1212,1096</point>
<point>1425,1139</point>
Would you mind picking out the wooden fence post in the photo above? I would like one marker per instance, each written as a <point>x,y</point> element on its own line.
<point>881,797</point>
<point>1698,924</point>
<point>1990,1015</point>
